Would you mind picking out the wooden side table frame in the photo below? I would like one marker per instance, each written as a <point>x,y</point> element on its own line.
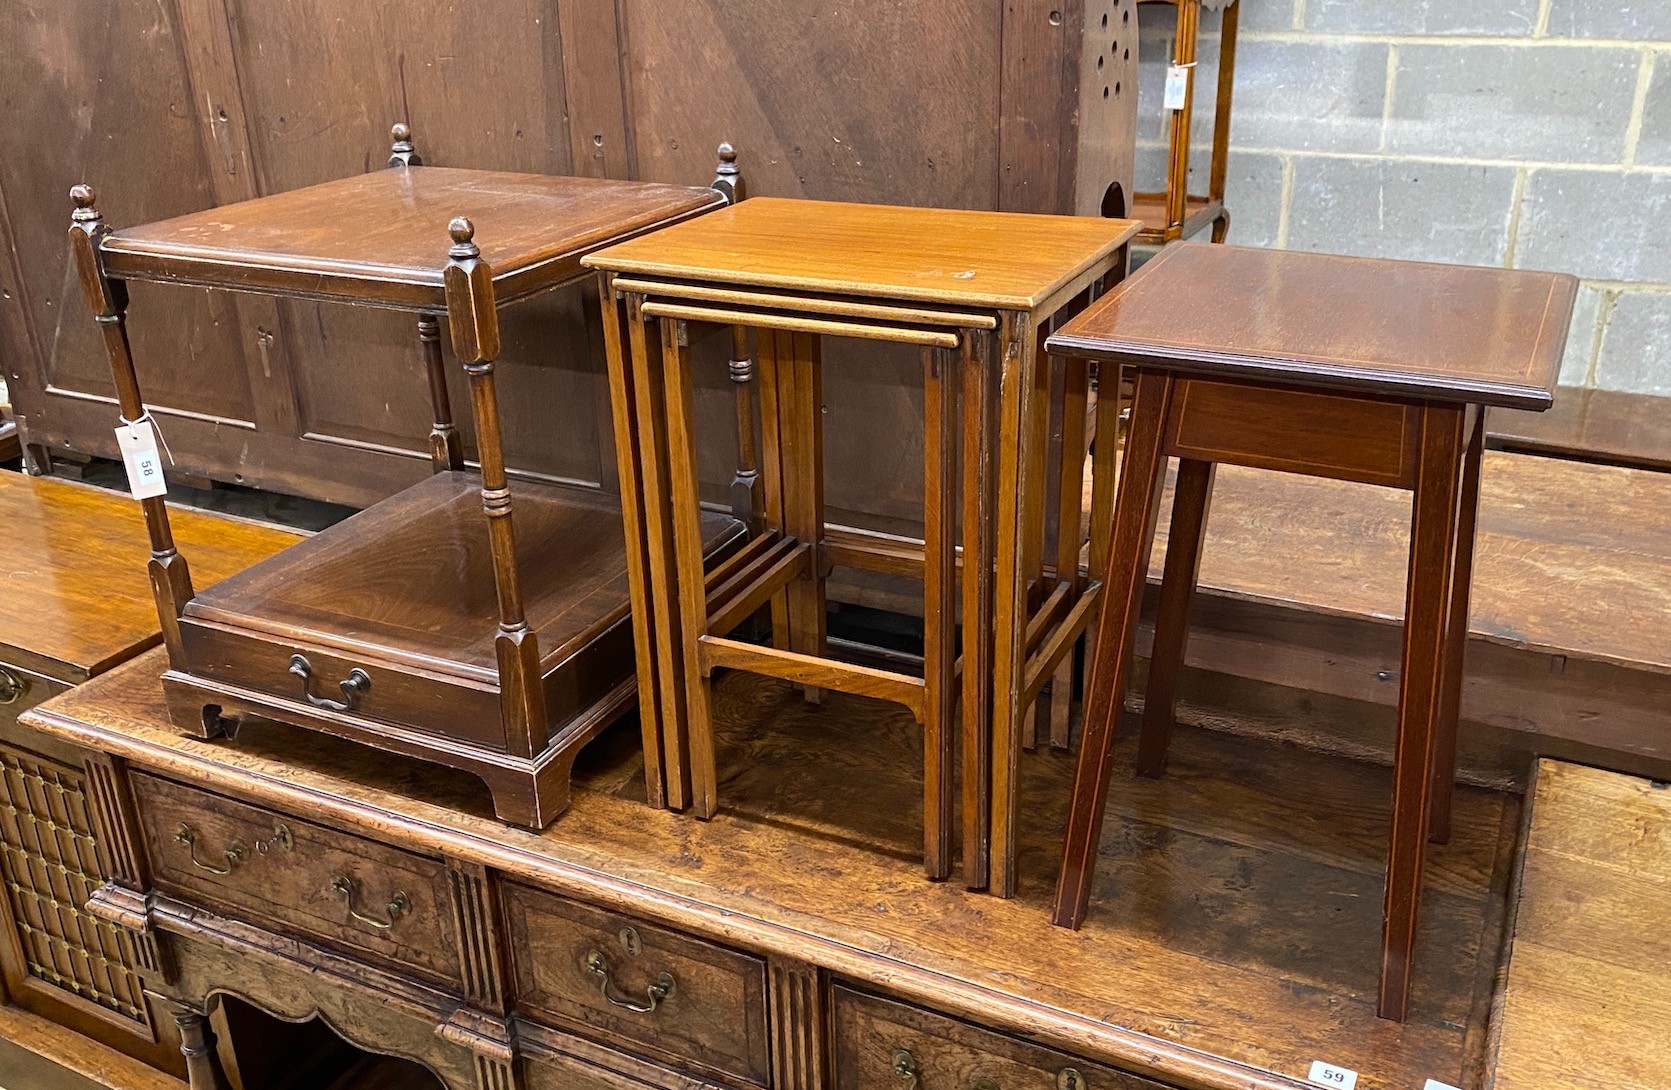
<point>1173,214</point>
<point>1363,391</point>
<point>984,471</point>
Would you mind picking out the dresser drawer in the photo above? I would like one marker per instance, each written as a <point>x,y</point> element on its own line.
<point>389,906</point>
<point>638,987</point>
<point>883,1043</point>
<point>21,690</point>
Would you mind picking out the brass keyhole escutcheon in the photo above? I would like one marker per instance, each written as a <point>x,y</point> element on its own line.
<point>1069,1078</point>
<point>630,942</point>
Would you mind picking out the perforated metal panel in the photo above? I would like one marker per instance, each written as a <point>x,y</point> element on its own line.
<point>49,862</point>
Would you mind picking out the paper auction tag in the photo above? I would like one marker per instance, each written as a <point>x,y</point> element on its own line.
<point>1342,1078</point>
<point>1435,1084</point>
<point>1177,86</point>
<point>138,444</point>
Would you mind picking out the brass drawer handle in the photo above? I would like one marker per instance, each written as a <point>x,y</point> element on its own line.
<point>12,687</point>
<point>357,682</point>
<point>906,1067</point>
<point>234,854</point>
<point>398,906</point>
<point>660,990</point>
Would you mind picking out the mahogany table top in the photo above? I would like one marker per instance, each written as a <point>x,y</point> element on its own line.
<point>996,260</point>
<point>77,598</point>
<point>1361,325</point>
<point>382,237</point>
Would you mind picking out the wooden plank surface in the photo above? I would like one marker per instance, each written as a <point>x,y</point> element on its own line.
<point>77,597</point>
<point>1587,1002</point>
<point>36,1054</point>
<point>1570,559</point>
<point>1231,938</point>
<point>1608,426</point>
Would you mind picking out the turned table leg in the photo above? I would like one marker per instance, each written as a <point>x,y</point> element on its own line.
<point>197,1044</point>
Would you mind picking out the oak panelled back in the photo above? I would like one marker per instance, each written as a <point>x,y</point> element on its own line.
<point>176,106</point>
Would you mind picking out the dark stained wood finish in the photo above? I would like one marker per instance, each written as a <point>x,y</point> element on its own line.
<point>1585,425</point>
<point>805,864</point>
<point>1586,1000</point>
<point>281,871</point>
<point>237,99</point>
<point>487,714</point>
<point>1432,446</point>
<point>712,1017</point>
<point>324,242</point>
<point>1363,326</point>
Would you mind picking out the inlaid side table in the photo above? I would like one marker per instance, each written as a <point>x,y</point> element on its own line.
<point>1351,368</point>
<point>977,292</point>
<point>424,625</point>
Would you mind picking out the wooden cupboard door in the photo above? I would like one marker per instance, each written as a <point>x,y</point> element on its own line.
<point>117,74</point>
<point>322,82</point>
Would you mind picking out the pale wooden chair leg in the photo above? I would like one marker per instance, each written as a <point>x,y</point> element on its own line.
<point>1141,479</point>
<point>1017,390</point>
<point>1456,642</point>
<point>647,362</point>
<point>688,562</point>
<point>977,417</point>
<point>629,445</point>
<point>939,606</point>
<point>1433,538</point>
<point>1190,504</point>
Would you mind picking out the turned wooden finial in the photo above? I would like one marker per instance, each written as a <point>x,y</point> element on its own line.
<point>86,210</point>
<point>728,180</point>
<point>403,153</point>
<point>464,234</point>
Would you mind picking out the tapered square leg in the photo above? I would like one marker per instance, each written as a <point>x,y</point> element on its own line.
<point>1127,565</point>
<point>1433,536</point>
<point>1190,503</point>
<point>1456,642</point>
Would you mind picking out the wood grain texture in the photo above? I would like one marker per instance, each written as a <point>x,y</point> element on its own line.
<point>320,241</point>
<point>1362,325</point>
<point>1238,942</point>
<point>37,1054</point>
<point>1607,426</point>
<point>1588,991</point>
<point>77,599</point>
<point>955,257</point>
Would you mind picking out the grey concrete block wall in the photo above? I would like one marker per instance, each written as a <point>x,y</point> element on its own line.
<point>1522,133</point>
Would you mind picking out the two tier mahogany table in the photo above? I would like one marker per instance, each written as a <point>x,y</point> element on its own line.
<point>976,292</point>
<point>424,625</point>
<point>1351,368</point>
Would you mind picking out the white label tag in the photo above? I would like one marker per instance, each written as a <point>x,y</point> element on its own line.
<point>1343,1078</point>
<point>138,443</point>
<point>1177,86</point>
<point>1435,1084</point>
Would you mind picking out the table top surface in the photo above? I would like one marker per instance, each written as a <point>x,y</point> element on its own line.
<point>384,234</point>
<point>1587,998</point>
<point>77,596</point>
<point>996,260</point>
<point>1609,426</point>
<point>1362,325</point>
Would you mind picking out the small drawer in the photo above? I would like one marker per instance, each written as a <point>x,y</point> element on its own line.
<point>390,906</point>
<point>638,987</point>
<point>883,1043</point>
<point>21,690</point>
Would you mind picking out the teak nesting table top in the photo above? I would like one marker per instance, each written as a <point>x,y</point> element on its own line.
<point>1363,325</point>
<point>382,237</point>
<point>77,600</point>
<point>998,260</point>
